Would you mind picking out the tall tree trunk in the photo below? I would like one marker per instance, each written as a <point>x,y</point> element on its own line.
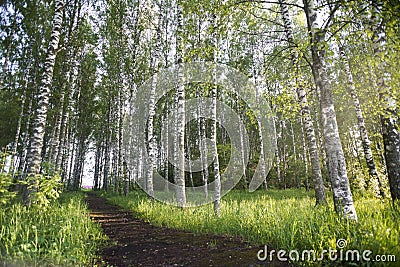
<point>71,156</point>
<point>304,152</point>
<point>217,175</point>
<point>150,122</point>
<point>166,145</point>
<point>151,137</point>
<point>107,150</point>
<point>189,156</point>
<point>180,126</point>
<point>25,138</point>
<point>97,165</point>
<point>9,48</point>
<point>126,178</point>
<point>306,116</point>
<point>374,180</point>
<point>14,160</point>
<point>78,166</point>
<point>316,173</point>
<point>119,174</point>
<point>203,152</point>
<point>69,103</point>
<point>39,123</point>
<point>342,196</point>
<point>51,153</point>
<point>296,175</point>
<point>260,135</point>
<point>283,154</point>
<point>277,157</point>
<point>243,153</point>
<point>390,117</point>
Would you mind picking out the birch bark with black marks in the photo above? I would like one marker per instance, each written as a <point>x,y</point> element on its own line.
<point>342,196</point>
<point>97,165</point>
<point>304,151</point>
<point>260,135</point>
<point>150,122</point>
<point>294,155</point>
<point>374,180</point>
<point>70,56</point>
<point>107,149</point>
<point>203,151</point>
<point>180,125</point>
<point>14,160</point>
<point>283,153</point>
<point>166,145</point>
<point>214,148</point>
<point>277,157</point>
<point>40,117</point>
<point>243,153</point>
<point>307,122</point>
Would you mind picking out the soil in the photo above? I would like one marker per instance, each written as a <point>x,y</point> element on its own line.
<point>134,242</point>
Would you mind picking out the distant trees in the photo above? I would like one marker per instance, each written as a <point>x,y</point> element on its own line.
<point>63,109</point>
<point>380,17</point>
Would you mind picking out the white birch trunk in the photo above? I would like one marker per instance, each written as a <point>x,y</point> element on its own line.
<point>374,180</point>
<point>39,122</point>
<point>342,196</point>
<point>14,161</point>
<point>304,152</point>
<point>217,176</point>
<point>306,116</point>
<point>180,125</point>
<point>277,158</point>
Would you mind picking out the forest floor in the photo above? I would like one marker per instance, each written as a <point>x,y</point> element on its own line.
<point>134,242</point>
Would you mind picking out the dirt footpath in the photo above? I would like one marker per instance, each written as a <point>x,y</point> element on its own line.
<point>138,243</point>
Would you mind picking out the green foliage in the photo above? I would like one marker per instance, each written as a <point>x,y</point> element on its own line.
<point>61,235</point>
<point>47,188</point>
<point>280,219</point>
<point>8,117</point>
<point>6,182</point>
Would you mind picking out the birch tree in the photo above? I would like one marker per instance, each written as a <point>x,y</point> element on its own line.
<point>375,181</point>
<point>305,109</point>
<point>180,106</point>
<point>390,117</point>
<point>342,195</point>
<point>217,177</point>
<point>39,121</point>
<point>150,135</point>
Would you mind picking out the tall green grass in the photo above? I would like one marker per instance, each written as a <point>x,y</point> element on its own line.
<point>285,220</point>
<point>60,234</point>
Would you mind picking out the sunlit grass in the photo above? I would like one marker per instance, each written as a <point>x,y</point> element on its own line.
<point>60,234</point>
<point>282,219</point>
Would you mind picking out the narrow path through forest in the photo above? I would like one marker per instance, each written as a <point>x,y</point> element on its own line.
<point>134,242</point>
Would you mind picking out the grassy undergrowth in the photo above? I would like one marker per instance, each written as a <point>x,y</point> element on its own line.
<point>285,220</point>
<point>60,234</point>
